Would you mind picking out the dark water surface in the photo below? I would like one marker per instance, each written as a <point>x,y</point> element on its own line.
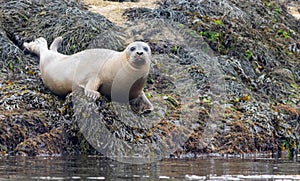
<point>99,168</point>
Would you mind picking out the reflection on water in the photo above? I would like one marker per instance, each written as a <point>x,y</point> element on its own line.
<point>100,168</point>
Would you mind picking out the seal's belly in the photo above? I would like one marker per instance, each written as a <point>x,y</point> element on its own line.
<point>57,79</point>
<point>57,86</point>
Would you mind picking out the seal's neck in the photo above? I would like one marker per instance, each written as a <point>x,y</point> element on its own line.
<point>131,69</point>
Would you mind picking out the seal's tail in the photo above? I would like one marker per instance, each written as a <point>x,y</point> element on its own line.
<point>36,45</point>
<point>56,44</point>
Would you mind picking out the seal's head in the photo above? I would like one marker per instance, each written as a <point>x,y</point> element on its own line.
<point>139,54</point>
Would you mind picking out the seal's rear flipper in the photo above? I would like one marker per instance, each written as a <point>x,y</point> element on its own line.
<point>56,44</point>
<point>36,45</point>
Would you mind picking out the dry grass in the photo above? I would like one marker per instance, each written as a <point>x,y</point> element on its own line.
<point>294,10</point>
<point>114,10</point>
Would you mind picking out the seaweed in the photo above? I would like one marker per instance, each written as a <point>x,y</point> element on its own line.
<point>252,42</point>
<point>227,70</point>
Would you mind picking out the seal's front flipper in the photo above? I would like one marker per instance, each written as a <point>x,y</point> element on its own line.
<point>56,44</point>
<point>147,107</point>
<point>91,93</point>
<point>141,104</point>
<point>90,89</point>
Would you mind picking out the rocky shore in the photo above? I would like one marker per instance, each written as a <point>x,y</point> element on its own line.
<point>227,79</point>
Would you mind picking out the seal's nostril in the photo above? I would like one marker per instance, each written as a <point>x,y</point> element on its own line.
<point>139,53</point>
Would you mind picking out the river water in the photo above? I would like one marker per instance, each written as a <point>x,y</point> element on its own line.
<point>101,168</point>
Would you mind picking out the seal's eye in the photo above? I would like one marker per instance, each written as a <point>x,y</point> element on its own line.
<point>132,49</point>
<point>146,49</point>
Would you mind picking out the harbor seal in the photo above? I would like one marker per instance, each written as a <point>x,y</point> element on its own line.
<point>120,76</point>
